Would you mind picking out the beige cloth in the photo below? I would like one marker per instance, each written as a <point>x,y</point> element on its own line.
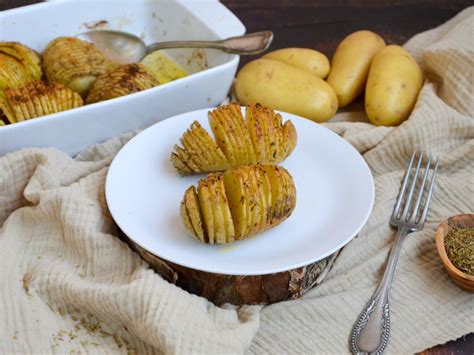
<point>68,284</point>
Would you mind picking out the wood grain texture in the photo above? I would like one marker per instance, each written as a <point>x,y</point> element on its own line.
<point>322,24</point>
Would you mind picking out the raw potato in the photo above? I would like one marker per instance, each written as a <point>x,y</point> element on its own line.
<point>259,138</point>
<point>304,58</point>
<point>74,63</point>
<point>37,98</point>
<point>238,203</point>
<point>350,64</point>
<point>395,80</point>
<point>284,87</point>
<point>124,80</point>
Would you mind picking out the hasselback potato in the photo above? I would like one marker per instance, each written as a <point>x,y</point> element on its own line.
<point>238,203</point>
<point>37,98</point>
<point>18,65</point>
<point>125,79</point>
<point>74,63</point>
<point>259,138</point>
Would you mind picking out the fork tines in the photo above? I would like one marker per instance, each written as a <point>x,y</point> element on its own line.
<point>411,211</point>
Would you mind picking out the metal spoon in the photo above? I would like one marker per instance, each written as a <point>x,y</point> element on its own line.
<point>125,48</point>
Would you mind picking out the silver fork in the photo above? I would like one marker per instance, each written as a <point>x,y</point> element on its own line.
<point>372,329</point>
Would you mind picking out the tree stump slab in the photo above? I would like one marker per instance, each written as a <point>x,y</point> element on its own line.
<point>240,290</point>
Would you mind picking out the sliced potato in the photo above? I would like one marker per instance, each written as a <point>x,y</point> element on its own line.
<point>164,69</point>
<point>289,196</point>
<point>224,205</point>
<point>75,63</point>
<point>27,57</point>
<point>239,203</point>
<point>205,202</point>
<point>267,195</point>
<point>206,156</point>
<point>191,214</point>
<point>36,99</point>
<point>260,138</point>
<point>123,80</point>
<point>235,112</point>
<point>225,140</point>
<point>236,196</point>
<point>219,224</point>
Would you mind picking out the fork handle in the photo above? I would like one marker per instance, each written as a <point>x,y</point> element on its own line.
<point>372,329</point>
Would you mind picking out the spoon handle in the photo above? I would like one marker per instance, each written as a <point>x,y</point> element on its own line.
<point>249,44</point>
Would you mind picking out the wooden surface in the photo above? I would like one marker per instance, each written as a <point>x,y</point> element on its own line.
<point>322,24</point>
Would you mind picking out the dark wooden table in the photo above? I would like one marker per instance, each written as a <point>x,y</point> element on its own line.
<point>321,24</point>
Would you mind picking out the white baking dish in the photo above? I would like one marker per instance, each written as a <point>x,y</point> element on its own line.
<point>159,20</point>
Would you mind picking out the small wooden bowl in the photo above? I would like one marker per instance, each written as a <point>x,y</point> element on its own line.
<point>465,281</point>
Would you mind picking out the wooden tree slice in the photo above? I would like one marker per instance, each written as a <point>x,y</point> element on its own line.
<point>239,290</point>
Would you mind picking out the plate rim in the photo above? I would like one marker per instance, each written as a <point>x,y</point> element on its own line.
<point>264,272</point>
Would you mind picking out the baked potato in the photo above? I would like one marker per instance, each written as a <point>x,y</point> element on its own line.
<point>395,80</point>
<point>238,203</point>
<point>18,65</point>
<point>125,79</point>
<point>74,63</point>
<point>163,67</point>
<point>259,138</point>
<point>37,98</point>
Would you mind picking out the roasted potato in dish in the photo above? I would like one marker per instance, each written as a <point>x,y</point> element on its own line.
<point>37,98</point>
<point>259,138</point>
<point>238,203</point>
<point>18,65</point>
<point>74,63</point>
<point>125,79</point>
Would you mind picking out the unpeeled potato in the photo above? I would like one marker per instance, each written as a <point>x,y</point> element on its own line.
<point>284,87</point>
<point>238,203</point>
<point>350,64</point>
<point>395,80</point>
<point>307,59</point>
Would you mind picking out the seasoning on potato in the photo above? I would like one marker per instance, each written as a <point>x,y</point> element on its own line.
<point>350,64</point>
<point>260,138</point>
<point>124,80</point>
<point>238,203</point>
<point>38,98</point>
<point>74,63</point>
<point>304,58</point>
<point>18,64</point>
<point>284,87</point>
<point>393,85</point>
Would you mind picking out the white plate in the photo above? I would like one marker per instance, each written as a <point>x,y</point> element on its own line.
<point>335,195</point>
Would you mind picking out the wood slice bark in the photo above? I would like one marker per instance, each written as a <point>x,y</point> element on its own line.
<point>239,290</point>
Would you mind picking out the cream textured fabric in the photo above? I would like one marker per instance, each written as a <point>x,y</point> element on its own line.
<point>68,284</point>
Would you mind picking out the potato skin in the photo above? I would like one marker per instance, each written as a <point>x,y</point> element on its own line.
<point>304,58</point>
<point>350,64</point>
<point>284,87</point>
<point>395,80</point>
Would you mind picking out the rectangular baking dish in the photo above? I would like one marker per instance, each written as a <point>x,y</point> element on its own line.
<point>71,131</point>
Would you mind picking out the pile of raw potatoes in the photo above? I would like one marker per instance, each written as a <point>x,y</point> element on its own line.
<point>303,82</point>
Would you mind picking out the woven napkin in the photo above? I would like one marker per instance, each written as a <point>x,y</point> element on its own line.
<point>68,284</point>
